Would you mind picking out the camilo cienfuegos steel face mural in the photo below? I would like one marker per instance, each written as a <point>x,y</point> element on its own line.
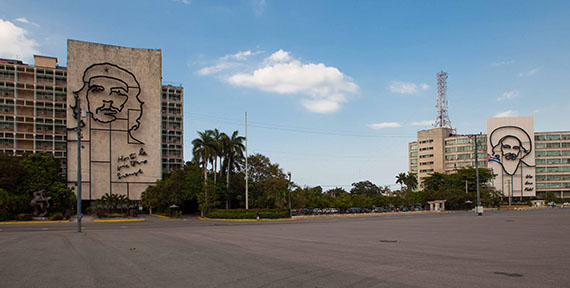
<point>119,90</point>
<point>511,155</point>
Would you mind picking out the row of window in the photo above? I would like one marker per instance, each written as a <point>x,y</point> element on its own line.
<point>553,185</point>
<point>426,170</point>
<point>552,153</point>
<point>465,148</point>
<point>426,148</point>
<point>553,169</point>
<point>552,177</point>
<point>426,141</point>
<point>552,145</point>
<point>426,156</point>
<point>553,161</point>
<point>552,137</point>
<point>426,163</point>
<point>465,156</point>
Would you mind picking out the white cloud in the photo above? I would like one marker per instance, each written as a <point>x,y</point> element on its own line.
<point>502,63</point>
<point>185,2</point>
<point>509,95</point>
<point>423,123</point>
<point>227,62</point>
<point>508,113</point>
<point>529,72</point>
<point>325,87</point>
<point>217,68</point>
<point>242,55</point>
<point>279,56</point>
<point>407,87</point>
<point>258,6</point>
<point>15,42</point>
<point>377,126</point>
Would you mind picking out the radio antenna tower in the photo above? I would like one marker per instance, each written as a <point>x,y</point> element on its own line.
<point>442,119</point>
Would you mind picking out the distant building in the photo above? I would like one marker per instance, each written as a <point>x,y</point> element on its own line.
<point>33,112</point>
<point>33,107</point>
<point>172,128</point>
<point>541,164</point>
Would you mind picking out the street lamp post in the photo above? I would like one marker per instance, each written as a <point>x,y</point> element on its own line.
<point>479,208</point>
<point>79,165</point>
<point>289,188</point>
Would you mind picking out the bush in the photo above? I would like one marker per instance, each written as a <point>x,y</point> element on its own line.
<point>24,217</point>
<point>249,214</point>
<point>56,216</point>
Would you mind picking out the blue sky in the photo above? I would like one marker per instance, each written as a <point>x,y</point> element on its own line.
<point>334,90</point>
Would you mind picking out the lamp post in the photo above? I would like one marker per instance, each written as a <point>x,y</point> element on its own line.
<point>479,207</point>
<point>79,165</point>
<point>289,188</point>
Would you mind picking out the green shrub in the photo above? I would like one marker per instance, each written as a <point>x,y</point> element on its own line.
<point>55,216</point>
<point>249,214</point>
<point>24,217</point>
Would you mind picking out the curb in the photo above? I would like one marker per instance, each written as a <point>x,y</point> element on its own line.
<point>161,216</point>
<point>33,222</point>
<point>118,220</point>
<point>247,220</point>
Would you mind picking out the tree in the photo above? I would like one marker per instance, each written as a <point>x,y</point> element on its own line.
<point>203,149</point>
<point>366,188</point>
<point>411,181</point>
<point>400,179</point>
<point>233,149</point>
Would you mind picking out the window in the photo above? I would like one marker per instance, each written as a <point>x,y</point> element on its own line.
<point>414,147</point>
<point>426,141</point>
<point>426,148</point>
<point>414,161</point>
<point>414,154</point>
<point>450,142</point>
<point>426,170</point>
<point>426,163</point>
<point>452,149</point>
<point>426,156</point>
<point>463,140</point>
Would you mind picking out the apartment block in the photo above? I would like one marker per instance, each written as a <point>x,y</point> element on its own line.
<point>33,107</point>
<point>552,151</point>
<point>172,128</point>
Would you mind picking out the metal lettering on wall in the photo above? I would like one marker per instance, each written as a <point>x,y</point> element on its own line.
<point>510,145</point>
<point>131,160</point>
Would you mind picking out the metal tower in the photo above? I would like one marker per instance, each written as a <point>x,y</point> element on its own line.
<point>442,119</point>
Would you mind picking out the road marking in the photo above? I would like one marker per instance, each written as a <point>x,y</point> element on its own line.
<point>123,227</point>
<point>44,229</point>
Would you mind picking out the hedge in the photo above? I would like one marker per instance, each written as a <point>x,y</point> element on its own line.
<point>249,214</point>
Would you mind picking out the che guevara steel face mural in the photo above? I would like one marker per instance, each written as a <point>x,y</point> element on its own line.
<point>119,92</point>
<point>112,94</point>
<point>510,146</point>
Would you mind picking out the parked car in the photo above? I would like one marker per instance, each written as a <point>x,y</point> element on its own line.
<point>354,210</point>
<point>365,210</point>
<point>333,210</point>
<point>317,211</point>
<point>379,210</point>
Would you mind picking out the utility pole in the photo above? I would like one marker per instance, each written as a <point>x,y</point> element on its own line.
<point>246,187</point>
<point>289,188</point>
<point>479,208</point>
<point>79,216</point>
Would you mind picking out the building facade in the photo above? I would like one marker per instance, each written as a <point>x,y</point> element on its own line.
<point>172,128</point>
<point>34,108</point>
<point>540,165</point>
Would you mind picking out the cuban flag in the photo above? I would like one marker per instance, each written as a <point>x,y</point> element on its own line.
<point>493,158</point>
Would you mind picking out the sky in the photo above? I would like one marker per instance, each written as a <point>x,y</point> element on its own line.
<point>334,90</point>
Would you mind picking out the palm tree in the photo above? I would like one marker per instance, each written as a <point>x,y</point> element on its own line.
<point>203,149</point>
<point>233,149</point>
<point>401,179</point>
<point>411,181</point>
<point>217,144</point>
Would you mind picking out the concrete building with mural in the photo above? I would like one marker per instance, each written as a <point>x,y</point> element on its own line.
<point>37,114</point>
<point>527,163</point>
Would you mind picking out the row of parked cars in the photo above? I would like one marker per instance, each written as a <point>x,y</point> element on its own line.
<point>354,210</point>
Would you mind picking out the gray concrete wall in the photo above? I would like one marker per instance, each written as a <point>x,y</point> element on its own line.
<point>122,133</point>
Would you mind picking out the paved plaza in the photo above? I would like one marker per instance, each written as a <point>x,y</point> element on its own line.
<point>459,249</point>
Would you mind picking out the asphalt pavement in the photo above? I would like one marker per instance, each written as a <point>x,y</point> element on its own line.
<point>460,249</point>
